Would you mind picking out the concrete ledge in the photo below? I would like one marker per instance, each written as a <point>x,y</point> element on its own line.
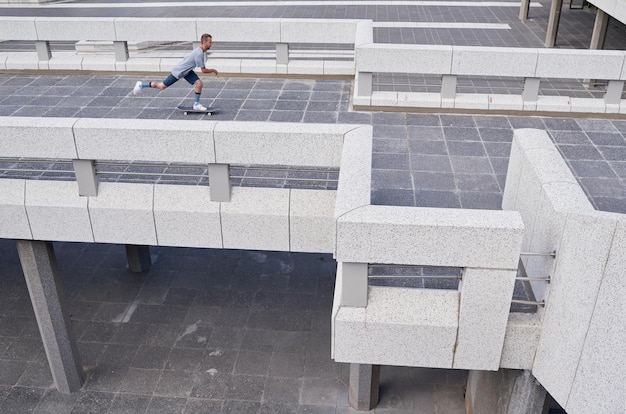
<point>13,218</point>
<point>417,99</point>
<point>154,29</point>
<point>141,140</point>
<point>322,30</point>
<point>75,28</point>
<point>315,145</point>
<point>579,64</point>
<point>420,333</point>
<point>426,59</point>
<point>240,30</point>
<point>256,219</point>
<point>122,213</point>
<point>520,341</point>
<point>430,237</point>
<point>311,223</point>
<point>56,212</point>
<point>483,316</point>
<point>185,216</point>
<point>27,137</point>
<point>355,174</point>
<point>494,61</point>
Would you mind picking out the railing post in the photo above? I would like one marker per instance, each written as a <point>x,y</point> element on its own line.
<point>43,50</point>
<point>219,182</point>
<point>282,53</point>
<point>85,172</point>
<point>364,85</point>
<point>531,90</point>
<point>354,284</point>
<point>448,86</point>
<point>614,91</point>
<point>121,51</point>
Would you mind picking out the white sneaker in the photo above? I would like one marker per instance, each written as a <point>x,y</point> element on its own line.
<point>137,88</point>
<point>199,107</point>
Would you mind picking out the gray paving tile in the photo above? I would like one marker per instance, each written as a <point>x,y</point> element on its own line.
<point>166,405</point>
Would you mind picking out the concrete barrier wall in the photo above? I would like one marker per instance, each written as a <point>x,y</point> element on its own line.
<point>174,29</point>
<point>526,63</point>
<point>579,351</point>
<point>171,215</point>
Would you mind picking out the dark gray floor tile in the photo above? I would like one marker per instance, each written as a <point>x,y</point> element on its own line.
<point>21,400</point>
<point>166,405</point>
<point>490,121</point>
<point>423,180</point>
<point>480,200</point>
<point>282,390</point>
<point>318,391</point>
<point>591,169</point>
<point>236,407</point>
<point>461,134</point>
<point>203,406</point>
<point>253,362</point>
<point>428,147</point>
<point>580,152</point>
<point>129,404</point>
<point>54,402</point>
<point>93,402</point>
<point>140,381</point>
<point>596,125</point>
<point>11,371</point>
<point>444,199</point>
<point>466,148</point>
<point>246,387</point>
<point>213,385</point>
<point>464,164</point>
<point>496,134</point>
<point>391,179</point>
<point>556,124</point>
<point>607,138</point>
<point>286,116</point>
<point>175,383</point>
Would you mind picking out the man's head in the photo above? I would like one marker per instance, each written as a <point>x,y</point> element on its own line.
<point>205,41</point>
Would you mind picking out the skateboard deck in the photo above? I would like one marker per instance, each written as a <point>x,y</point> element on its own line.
<point>189,110</point>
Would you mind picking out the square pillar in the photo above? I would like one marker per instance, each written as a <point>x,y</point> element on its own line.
<point>553,22</point>
<point>49,303</point>
<point>354,284</point>
<point>85,172</point>
<point>282,53</point>
<point>138,258</point>
<point>365,84</point>
<point>43,50</point>
<point>523,10</point>
<point>507,391</point>
<point>600,25</point>
<point>364,386</point>
<point>121,51</point>
<point>531,90</point>
<point>448,87</point>
<point>613,93</point>
<point>219,182</point>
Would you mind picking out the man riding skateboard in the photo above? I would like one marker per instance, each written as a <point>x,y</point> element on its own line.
<point>185,69</point>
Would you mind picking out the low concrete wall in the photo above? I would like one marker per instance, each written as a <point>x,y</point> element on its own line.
<point>528,63</point>
<point>579,352</point>
<point>173,215</point>
<point>128,29</point>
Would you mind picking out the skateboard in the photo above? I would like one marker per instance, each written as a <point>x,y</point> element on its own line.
<point>189,110</point>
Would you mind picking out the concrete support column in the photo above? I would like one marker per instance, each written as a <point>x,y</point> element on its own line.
<point>43,50</point>
<point>523,10</point>
<point>364,84</point>
<point>507,391</point>
<point>138,258</point>
<point>354,284</point>
<point>47,295</point>
<point>85,172</point>
<point>364,385</point>
<point>282,53</point>
<point>531,90</point>
<point>600,25</point>
<point>448,87</point>
<point>553,22</point>
<point>613,95</point>
<point>121,51</point>
<point>219,182</point>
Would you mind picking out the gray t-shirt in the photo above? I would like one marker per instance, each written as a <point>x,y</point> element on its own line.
<point>193,60</point>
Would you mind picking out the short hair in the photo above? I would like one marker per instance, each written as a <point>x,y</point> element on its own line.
<point>205,37</point>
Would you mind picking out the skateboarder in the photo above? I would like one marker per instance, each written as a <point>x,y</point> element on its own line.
<point>184,69</point>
